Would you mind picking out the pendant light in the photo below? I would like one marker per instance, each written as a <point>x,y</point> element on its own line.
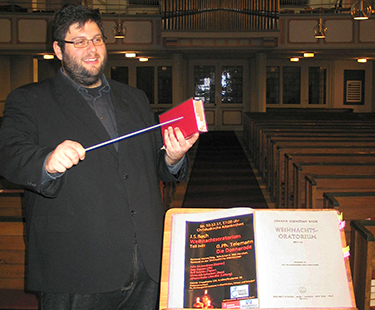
<point>118,30</point>
<point>360,10</point>
<point>320,30</point>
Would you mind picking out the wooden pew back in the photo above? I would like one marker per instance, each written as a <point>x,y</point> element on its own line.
<point>301,169</point>
<point>12,253</point>
<point>290,159</point>
<point>362,260</point>
<point>279,178</point>
<point>353,206</point>
<point>316,185</point>
<point>12,237</point>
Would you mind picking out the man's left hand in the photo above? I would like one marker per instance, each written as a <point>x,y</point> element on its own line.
<point>176,145</point>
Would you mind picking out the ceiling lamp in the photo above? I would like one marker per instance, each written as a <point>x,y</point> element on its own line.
<point>48,56</point>
<point>320,30</point>
<point>143,59</point>
<point>130,55</point>
<point>118,31</point>
<point>360,10</point>
<point>308,55</point>
<point>294,59</point>
<point>362,60</point>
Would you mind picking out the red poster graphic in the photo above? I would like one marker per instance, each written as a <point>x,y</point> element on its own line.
<point>220,264</point>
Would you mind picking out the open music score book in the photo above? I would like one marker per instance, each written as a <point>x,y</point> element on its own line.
<point>241,258</point>
<point>193,121</point>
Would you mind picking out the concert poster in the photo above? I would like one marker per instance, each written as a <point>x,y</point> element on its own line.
<point>220,264</point>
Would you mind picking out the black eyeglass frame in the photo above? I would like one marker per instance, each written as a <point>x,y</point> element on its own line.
<point>87,41</point>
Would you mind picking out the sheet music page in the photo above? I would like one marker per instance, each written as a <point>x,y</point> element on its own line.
<point>300,261</point>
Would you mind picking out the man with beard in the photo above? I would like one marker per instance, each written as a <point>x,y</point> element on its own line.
<point>95,220</point>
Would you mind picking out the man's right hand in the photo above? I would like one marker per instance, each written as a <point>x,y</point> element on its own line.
<point>65,156</point>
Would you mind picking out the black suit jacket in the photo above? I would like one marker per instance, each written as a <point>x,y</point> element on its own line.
<point>81,227</point>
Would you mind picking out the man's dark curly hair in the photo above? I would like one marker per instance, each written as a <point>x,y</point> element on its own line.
<point>71,14</point>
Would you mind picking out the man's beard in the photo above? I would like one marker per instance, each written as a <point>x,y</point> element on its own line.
<point>79,74</point>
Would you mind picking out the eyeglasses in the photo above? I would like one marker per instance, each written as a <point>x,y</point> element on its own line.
<point>83,42</point>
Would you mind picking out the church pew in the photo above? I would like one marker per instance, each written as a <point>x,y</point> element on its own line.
<point>12,253</point>
<point>269,158</point>
<point>316,185</point>
<point>298,121</point>
<point>167,190</point>
<point>273,126</point>
<point>254,120</point>
<point>288,130</point>
<point>362,260</point>
<point>266,157</point>
<point>11,203</point>
<point>278,179</point>
<point>274,129</point>
<point>290,159</point>
<point>291,121</point>
<point>301,169</point>
<point>11,198</point>
<point>320,131</point>
<point>12,239</point>
<point>326,143</point>
<point>353,206</point>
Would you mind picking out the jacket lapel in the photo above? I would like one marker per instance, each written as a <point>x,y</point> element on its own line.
<point>76,106</point>
<point>128,115</point>
<point>125,124</point>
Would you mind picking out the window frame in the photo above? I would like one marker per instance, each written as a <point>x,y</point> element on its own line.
<point>304,64</point>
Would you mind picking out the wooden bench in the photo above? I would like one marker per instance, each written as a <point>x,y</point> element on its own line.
<point>278,180</point>
<point>332,143</point>
<point>275,129</point>
<point>12,245</point>
<point>167,190</point>
<point>271,154</point>
<point>257,124</point>
<point>290,159</point>
<point>317,185</point>
<point>341,133</point>
<point>278,127</point>
<point>254,122</point>
<point>11,203</point>
<point>362,260</point>
<point>301,169</point>
<point>12,253</point>
<point>11,199</point>
<point>353,206</point>
<point>267,155</point>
